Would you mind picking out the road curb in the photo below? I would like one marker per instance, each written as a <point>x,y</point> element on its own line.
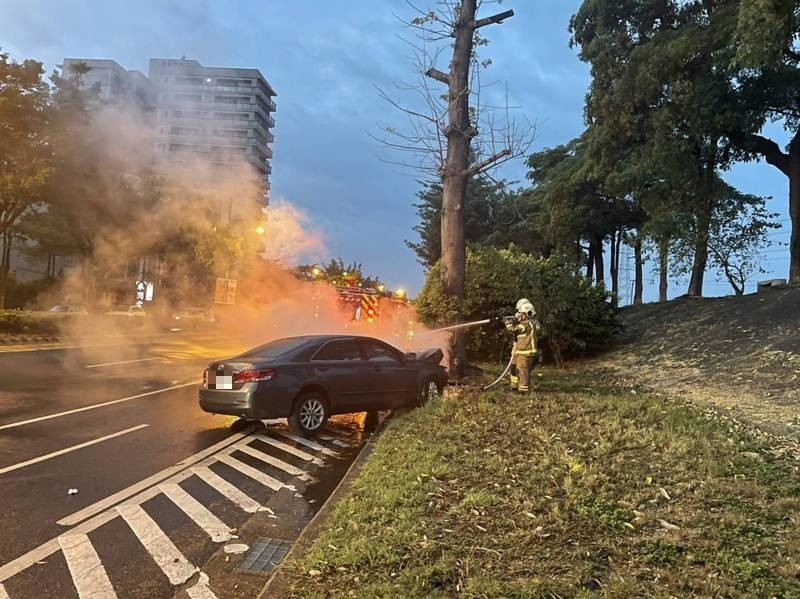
<point>276,585</point>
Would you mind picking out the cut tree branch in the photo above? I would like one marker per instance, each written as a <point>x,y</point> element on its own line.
<point>498,18</point>
<point>483,164</point>
<point>438,75</point>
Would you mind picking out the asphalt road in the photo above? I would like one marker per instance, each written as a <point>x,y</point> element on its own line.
<point>160,484</point>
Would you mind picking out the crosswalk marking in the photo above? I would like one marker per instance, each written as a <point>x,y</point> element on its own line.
<point>164,553</point>
<point>273,461</point>
<point>257,475</point>
<point>214,480</point>
<point>216,528</point>
<point>288,448</point>
<point>309,443</point>
<point>85,567</point>
<point>112,500</point>
<point>88,573</point>
<point>334,440</point>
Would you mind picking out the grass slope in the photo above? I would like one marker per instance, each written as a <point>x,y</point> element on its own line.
<point>570,492</point>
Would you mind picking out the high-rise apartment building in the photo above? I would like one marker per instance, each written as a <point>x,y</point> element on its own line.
<point>220,115</point>
<point>116,84</point>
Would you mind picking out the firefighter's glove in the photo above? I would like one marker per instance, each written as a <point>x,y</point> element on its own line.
<point>497,322</point>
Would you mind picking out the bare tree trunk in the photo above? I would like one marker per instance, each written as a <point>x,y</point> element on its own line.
<point>599,269</point>
<point>590,261</point>
<point>614,269</point>
<point>639,282</point>
<point>703,216</point>
<point>5,267</point>
<point>663,272</point>
<point>794,210</point>
<point>455,172</point>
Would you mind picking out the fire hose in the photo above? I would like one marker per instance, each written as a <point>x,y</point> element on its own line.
<point>502,376</point>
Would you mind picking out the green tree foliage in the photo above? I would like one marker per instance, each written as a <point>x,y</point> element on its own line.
<point>738,233</point>
<point>337,272</point>
<point>493,215</point>
<point>667,101</point>
<point>578,205</point>
<point>25,155</point>
<point>576,316</point>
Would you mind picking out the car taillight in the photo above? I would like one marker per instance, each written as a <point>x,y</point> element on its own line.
<point>252,376</point>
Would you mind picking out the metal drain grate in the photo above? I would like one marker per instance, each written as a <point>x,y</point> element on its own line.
<point>265,555</point>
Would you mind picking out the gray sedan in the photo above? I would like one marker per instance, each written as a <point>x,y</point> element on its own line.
<point>307,379</point>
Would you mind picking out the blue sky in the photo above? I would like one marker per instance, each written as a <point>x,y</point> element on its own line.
<point>324,64</point>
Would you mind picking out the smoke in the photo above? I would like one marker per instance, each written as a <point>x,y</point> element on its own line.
<point>184,225</point>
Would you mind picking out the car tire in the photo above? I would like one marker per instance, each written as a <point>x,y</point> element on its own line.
<point>430,389</point>
<point>309,414</point>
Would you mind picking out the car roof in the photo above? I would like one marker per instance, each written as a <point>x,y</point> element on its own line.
<point>329,337</point>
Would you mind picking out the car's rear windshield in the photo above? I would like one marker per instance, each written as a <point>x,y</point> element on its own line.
<point>274,349</point>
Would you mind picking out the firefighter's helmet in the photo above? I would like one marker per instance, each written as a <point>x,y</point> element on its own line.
<point>524,306</point>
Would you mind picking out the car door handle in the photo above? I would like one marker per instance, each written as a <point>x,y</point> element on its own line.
<point>377,368</point>
<point>323,368</point>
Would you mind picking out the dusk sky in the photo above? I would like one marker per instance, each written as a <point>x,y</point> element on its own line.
<point>324,65</point>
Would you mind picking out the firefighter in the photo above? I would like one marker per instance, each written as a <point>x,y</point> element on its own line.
<point>524,349</point>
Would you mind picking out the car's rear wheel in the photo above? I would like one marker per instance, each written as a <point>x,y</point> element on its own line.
<point>309,415</point>
<point>430,390</point>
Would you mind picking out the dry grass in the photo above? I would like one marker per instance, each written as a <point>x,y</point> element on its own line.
<point>571,492</point>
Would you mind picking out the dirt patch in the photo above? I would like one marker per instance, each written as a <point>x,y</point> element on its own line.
<point>739,355</point>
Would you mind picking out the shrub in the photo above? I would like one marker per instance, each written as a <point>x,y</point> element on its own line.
<point>36,323</point>
<point>576,316</point>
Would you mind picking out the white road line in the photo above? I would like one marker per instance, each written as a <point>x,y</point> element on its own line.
<point>215,481</point>
<point>103,504</point>
<point>164,553</point>
<point>216,528</point>
<point>98,514</point>
<point>120,363</point>
<point>3,594</point>
<point>310,444</point>
<point>248,470</point>
<point>48,456</point>
<point>334,440</point>
<point>88,573</point>
<point>95,406</point>
<point>288,448</point>
<point>268,459</point>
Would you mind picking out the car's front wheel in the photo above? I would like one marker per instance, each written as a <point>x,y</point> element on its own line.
<point>430,390</point>
<point>309,415</point>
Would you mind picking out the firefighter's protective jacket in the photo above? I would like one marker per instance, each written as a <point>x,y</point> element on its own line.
<point>525,344</point>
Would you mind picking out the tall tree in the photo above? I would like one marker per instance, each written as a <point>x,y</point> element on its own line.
<point>445,131</point>
<point>25,160</point>
<point>652,94</point>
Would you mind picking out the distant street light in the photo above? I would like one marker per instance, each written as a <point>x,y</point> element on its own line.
<point>316,271</point>
<point>260,229</point>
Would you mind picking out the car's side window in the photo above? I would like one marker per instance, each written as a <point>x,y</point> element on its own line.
<point>339,349</point>
<point>381,353</point>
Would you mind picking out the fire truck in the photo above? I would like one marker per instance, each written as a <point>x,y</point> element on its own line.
<point>366,308</point>
<point>363,305</point>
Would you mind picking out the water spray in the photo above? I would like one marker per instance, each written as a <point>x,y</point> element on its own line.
<point>463,325</point>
